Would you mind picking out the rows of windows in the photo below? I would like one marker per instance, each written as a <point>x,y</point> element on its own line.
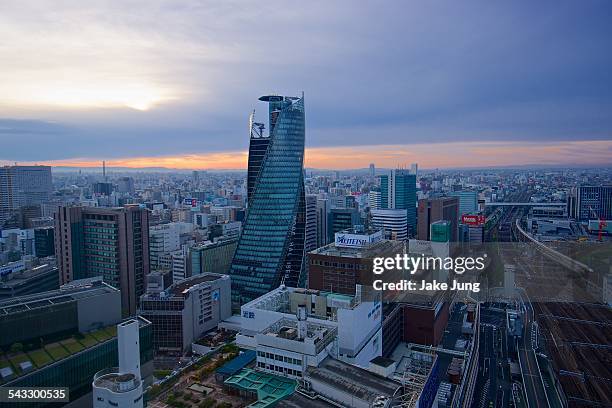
<point>278,369</point>
<point>278,357</point>
<point>341,265</point>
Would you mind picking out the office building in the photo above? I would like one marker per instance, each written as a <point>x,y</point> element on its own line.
<point>44,244</point>
<point>166,238</point>
<point>121,386</point>
<point>475,234</point>
<point>394,222</point>
<point>212,256</point>
<point>398,191</point>
<point>342,219</point>
<point>436,209</point>
<point>17,279</point>
<point>158,281</point>
<point>323,209</point>
<point>103,188</point>
<point>286,322</point>
<point>23,186</point>
<point>473,228</point>
<point>271,248</point>
<point>287,346</point>
<point>125,185</point>
<point>350,202</point>
<point>19,240</point>
<point>109,242</point>
<point>590,203</point>
<point>374,200</point>
<point>310,238</point>
<point>185,311</point>
<point>440,231</point>
<point>348,261</point>
<point>372,170</point>
<point>177,262</point>
<point>468,201</point>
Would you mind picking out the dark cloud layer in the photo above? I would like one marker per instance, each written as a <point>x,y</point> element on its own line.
<point>372,72</point>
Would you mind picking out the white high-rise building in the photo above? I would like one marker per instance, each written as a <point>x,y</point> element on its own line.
<point>393,221</point>
<point>166,238</point>
<point>374,200</point>
<point>121,386</point>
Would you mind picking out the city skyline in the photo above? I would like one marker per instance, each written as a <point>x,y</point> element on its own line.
<point>116,82</point>
<point>459,155</point>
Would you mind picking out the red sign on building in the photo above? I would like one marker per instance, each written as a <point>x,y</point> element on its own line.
<point>473,220</point>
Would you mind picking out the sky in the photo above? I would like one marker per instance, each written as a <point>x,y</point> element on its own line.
<point>171,83</point>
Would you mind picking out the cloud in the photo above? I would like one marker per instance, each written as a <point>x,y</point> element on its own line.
<point>144,78</point>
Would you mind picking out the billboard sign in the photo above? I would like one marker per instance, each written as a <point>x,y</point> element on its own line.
<point>193,202</point>
<point>344,239</point>
<point>473,220</point>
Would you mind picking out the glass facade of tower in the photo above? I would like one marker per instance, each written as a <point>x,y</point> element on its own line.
<point>271,248</point>
<point>405,195</point>
<point>398,191</point>
<point>384,191</point>
<point>258,146</point>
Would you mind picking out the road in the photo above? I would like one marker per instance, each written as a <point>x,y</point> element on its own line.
<point>494,382</point>
<point>532,379</point>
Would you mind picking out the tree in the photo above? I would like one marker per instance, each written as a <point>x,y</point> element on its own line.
<point>207,403</point>
<point>16,348</point>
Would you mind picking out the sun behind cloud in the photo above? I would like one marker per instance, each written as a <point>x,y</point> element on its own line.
<point>140,97</point>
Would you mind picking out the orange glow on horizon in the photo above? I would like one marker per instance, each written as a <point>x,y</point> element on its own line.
<point>438,155</point>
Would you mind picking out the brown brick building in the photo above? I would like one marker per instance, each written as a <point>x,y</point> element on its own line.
<point>109,242</point>
<point>338,269</point>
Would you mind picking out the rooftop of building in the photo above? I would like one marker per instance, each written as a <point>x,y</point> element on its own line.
<point>224,240</point>
<point>421,299</point>
<point>382,361</point>
<point>299,400</point>
<point>75,290</point>
<point>269,388</point>
<point>361,383</point>
<point>15,279</point>
<point>178,289</point>
<point>17,363</point>
<point>115,381</point>
<point>279,299</point>
<point>288,329</point>
<point>233,366</point>
<point>377,249</point>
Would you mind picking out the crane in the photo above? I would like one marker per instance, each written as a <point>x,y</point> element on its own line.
<point>603,224</point>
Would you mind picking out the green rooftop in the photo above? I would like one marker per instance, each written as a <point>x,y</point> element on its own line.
<point>270,388</point>
<point>53,352</point>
